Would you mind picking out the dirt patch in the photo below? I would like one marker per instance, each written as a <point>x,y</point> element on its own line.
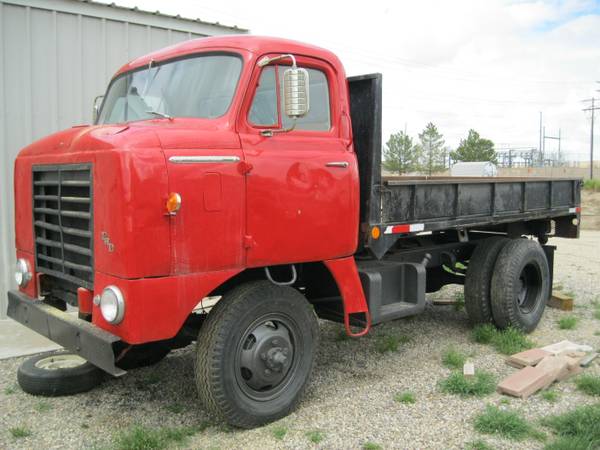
<point>590,210</point>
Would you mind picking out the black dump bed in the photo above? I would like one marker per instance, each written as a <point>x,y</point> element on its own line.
<point>403,206</point>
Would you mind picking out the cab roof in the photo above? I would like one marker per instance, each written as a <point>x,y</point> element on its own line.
<point>257,45</point>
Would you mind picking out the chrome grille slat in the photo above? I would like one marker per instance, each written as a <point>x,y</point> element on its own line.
<point>62,210</point>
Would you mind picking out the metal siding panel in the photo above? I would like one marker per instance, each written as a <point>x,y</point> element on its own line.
<point>53,64</point>
<point>42,54</point>
<point>68,71</point>
<point>138,44</point>
<point>115,38</point>
<point>93,63</point>
<point>158,38</point>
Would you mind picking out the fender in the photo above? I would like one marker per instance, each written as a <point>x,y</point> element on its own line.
<point>346,277</point>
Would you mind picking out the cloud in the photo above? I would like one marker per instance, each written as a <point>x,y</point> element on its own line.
<point>490,65</point>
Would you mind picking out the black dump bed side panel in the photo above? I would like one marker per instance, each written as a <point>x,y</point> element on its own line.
<point>402,206</point>
<point>365,111</point>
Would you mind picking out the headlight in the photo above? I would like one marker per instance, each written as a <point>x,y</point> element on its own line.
<point>112,304</point>
<point>22,272</point>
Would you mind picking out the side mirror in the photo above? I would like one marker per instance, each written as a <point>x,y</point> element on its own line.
<point>296,92</point>
<point>96,107</point>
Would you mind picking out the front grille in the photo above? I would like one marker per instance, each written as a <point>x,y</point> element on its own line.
<point>62,215</point>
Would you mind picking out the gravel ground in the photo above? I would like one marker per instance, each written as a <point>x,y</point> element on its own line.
<point>350,399</point>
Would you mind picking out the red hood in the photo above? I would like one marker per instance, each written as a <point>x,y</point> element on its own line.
<point>179,133</point>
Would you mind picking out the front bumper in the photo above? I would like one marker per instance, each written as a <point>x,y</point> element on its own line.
<point>76,335</point>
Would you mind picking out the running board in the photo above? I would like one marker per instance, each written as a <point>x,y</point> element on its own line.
<point>393,289</point>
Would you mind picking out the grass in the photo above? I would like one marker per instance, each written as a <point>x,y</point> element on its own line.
<point>9,390</point>
<point>597,313</point>
<point>145,438</point>
<point>389,342</point>
<point>507,342</point>
<point>567,322</point>
<point>19,432</point>
<point>371,446</point>
<point>508,424</point>
<point>483,383</point>
<point>484,334</point>
<point>592,185</point>
<point>279,432</point>
<point>43,406</point>
<point>405,397</point>
<point>453,358</point>
<point>315,436</point>
<point>550,396</point>
<point>589,384</point>
<point>576,429</point>
<point>478,445</point>
<point>459,303</point>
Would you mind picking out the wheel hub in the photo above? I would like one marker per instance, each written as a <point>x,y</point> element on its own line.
<point>266,356</point>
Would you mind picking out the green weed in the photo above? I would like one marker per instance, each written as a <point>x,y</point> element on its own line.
<point>507,424</point>
<point>405,397</point>
<point>453,359</point>
<point>279,432</point>
<point>576,429</point>
<point>567,322</point>
<point>589,384</point>
<point>145,438</point>
<point>483,383</point>
<point>315,436</point>
<point>20,432</point>
<point>550,396</point>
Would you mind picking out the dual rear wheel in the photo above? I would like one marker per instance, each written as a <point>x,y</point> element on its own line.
<point>507,283</point>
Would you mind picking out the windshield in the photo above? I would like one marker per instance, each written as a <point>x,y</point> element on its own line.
<point>201,86</point>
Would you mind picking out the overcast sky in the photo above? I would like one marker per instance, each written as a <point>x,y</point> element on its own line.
<point>491,65</point>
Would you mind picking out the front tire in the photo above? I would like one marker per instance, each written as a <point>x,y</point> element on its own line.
<point>255,353</point>
<point>520,285</point>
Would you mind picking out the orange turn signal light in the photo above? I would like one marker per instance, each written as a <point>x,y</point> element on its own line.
<point>173,203</point>
<point>375,232</point>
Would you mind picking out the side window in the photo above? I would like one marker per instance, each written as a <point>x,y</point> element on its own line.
<point>318,117</point>
<point>263,111</point>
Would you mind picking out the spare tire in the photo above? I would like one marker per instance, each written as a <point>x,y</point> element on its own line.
<point>478,281</point>
<point>520,285</point>
<point>58,373</point>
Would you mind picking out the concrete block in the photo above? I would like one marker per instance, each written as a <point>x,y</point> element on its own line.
<point>527,358</point>
<point>561,301</point>
<point>525,382</point>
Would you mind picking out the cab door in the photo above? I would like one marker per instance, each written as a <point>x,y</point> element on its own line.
<point>301,185</point>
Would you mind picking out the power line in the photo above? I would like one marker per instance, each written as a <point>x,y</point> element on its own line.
<point>593,108</point>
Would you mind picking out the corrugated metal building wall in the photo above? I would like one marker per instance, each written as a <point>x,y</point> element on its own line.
<point>55,57</point>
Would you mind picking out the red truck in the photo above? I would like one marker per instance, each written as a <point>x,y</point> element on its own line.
<point>248,170</point>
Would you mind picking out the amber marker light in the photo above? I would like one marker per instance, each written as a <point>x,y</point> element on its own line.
<point>173,203</point>
<point>375,232</point>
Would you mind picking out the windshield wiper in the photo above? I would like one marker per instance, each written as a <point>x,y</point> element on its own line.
<point>157,113</point>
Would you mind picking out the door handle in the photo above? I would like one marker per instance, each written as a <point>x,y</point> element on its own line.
<point>342,164</point>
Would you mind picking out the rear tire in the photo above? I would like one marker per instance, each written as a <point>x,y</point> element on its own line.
<point>478,281</point>
<point>58,373</point>
<point>520,285</point>
<point>255,353</point>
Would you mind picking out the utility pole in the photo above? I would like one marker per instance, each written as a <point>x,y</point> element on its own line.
<point>540,136</point>
<point>592,108</point>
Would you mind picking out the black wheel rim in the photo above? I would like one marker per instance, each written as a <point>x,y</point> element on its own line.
<point>529,287</point>
<point>267,356</point>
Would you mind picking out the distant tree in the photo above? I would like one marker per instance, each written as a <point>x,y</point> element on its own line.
<point>475,148</point>
<point>400,154</point>
<point>433,152</point>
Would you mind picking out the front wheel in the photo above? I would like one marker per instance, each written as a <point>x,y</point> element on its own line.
<point>255,353</point>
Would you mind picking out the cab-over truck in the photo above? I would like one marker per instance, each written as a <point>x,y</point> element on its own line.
<point>246,171</point>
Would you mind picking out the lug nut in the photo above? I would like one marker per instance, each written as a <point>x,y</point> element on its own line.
<point>267,372</point>
<point>263,356</point>
<point>275,342</point>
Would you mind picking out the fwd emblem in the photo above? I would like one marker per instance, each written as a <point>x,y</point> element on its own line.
<point>106,239</point>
